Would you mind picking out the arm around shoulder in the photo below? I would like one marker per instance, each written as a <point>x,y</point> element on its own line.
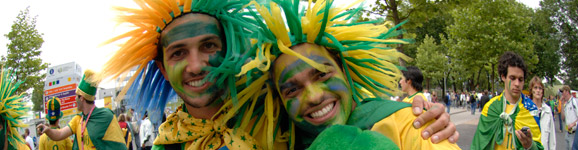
<point>58,134</point>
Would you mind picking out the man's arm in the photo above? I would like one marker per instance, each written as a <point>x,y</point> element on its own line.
<point>56,134</point>
<point>441,128</point>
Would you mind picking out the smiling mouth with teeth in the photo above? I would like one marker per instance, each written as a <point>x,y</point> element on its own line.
<point>197,83</point>
<point>322,112</point>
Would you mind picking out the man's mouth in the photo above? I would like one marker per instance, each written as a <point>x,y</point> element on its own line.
<point>323,113</point>
<point>197,86</point>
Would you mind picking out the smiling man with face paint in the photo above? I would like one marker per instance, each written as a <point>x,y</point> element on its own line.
<point>505,115</point>
<point>188,44</point>
<point>328,73</point>
<point>188,50</point>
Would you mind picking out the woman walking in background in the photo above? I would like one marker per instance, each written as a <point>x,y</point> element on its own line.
<point>546,119</point>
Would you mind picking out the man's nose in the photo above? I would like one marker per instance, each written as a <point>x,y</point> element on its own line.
<point>196,62</point>
<point>313,93</point>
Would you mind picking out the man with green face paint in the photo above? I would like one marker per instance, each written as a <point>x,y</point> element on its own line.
<point>328,72</point>
<point>504,116</point>
<point>12,111</point>
<point>188,49</point>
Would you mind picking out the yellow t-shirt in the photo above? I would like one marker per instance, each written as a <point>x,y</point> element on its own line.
<point>399,128</point>
<point>46,143</point>
<point>409,99</point>
<point>76,128</point>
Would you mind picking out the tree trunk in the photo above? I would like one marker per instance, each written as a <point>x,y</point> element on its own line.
<point>493,74</point>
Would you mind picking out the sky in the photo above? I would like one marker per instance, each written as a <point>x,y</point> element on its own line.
<point>74,30</point>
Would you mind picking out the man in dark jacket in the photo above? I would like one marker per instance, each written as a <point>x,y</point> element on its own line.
<point>473,101</point>
<point>485,98</point>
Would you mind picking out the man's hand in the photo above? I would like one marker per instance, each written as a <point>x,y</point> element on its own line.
<point>525,139</point>
<point>43,127</point>
<point>442,128</point>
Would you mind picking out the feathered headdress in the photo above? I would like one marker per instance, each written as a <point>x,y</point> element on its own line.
<point>367,60</point>
<point>146,87</point>
<point>12,108</point>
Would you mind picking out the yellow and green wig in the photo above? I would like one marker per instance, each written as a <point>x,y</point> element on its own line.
<point>364,48</point>
<point>12,110</point>
<point>147,89</point>
<point>53,107</point>
<point>368,60</point>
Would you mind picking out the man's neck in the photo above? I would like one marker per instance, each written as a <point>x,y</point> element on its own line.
<point>87,108</point>
<point>54,126</point>
<point>204,112</point>
<point>411,92</point>
<point>510,98</point>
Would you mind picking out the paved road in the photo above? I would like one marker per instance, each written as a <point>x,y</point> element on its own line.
<point>467,123</point>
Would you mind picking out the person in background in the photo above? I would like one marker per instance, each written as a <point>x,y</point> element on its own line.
<point>122,121</point>
<point>53,116</point>
<point>547,128</point>
<point>485,98</point>
<point>570,114</point>
<point>473,102</point>
<point>146,130</point>
<point>29,139</point>
<point>427,94</point>
<point>94,128</point>
<point>561,104</point>
<point>504,116</point>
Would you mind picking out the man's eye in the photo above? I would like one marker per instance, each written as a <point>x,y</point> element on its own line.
<point>290,91</point>
<point>323,74</point>
<point>177,53</point>
<point>210,47</point>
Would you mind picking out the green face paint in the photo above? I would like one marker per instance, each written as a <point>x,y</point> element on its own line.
<point>192,44</point>
<point>293,74</point>
<point>189,30</point>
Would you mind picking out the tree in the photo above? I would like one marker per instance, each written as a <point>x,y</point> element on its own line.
<point>546,45</point>
<point>480,34</point>
<point>37,98</point>
<point>431,60</point>
<point>563,14</point>
<point>24,53</point>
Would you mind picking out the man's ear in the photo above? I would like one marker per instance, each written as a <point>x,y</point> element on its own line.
<point>162,68</point>
<point>503,78</point>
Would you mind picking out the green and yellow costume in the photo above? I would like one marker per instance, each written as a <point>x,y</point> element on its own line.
<point>500,119</point>
<point>54,113</point>
<point>12,111</point>
<point>409,99</point>
<point>367,61</point>
<point>99,128</point>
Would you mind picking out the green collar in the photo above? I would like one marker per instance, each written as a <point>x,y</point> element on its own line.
<point>414,94</point>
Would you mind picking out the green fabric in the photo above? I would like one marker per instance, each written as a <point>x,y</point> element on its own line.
<point>170,147</point>
<point>86,87</point>
<point>373,110</point>
<point>96,127</point>
<point>352,138</point>
<point>490,128</point>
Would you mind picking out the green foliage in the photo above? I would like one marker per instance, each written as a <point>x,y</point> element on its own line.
<point>546,45</point>
<point>481,33</point>
<point>563,14</point>
<point>37,98</point>
<point>24,53</point>
<point>432,60</point>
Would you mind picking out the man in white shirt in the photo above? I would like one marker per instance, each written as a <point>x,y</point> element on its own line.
<point>570,113</point>
<point>29,140</point>
<point>427,95</point>
<point>146,131</point>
